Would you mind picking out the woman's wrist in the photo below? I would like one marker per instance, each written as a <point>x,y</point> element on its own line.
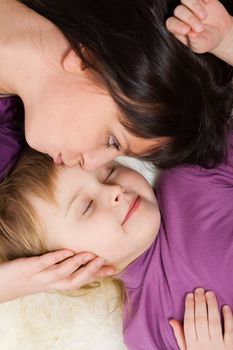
<point>224,50</point>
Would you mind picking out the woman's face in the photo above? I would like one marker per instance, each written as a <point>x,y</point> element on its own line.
<point>77,122</point>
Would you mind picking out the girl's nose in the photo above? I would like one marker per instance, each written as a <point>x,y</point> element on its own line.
<point>115,194</point>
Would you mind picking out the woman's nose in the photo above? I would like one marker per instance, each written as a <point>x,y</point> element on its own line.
<point>92,160</point>
<point>88,161</point>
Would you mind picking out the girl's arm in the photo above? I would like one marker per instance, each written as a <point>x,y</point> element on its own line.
<point>60,270</point>
<point>202,325</point>
<point>204,26</point>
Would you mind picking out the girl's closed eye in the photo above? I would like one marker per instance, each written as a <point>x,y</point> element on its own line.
<point>90,203</point>
<point>109,174</point>
<point>87,207</point>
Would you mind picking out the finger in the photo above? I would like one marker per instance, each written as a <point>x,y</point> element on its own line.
<point>105,271</point>
<point>215,328</point>
<point>183,39</point>
<point>228,325</point>
<point>196,7</point>
<point>177,27</point>
<point>85,275</point>
<point>189,319</point>
<point>205,41</point>
<point>70,265</point>
<point>44,261</point>
<point>185,15</point>
<point>179,333</point>
<point>201,317</point>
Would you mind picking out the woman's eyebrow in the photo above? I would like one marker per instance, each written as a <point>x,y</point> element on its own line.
<point>130,153</point>
<point>72,199</point>
<point>127,151</point>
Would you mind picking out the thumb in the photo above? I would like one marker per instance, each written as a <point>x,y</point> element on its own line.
<point>179,333</point>
<point>205,41</point>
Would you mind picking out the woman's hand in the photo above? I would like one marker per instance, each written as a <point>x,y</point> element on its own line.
<point>202,328</point>
<point>204,26</point>
<point>61,270</point>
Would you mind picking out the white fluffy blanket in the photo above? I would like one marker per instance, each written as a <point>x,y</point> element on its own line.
<point>54,321</point>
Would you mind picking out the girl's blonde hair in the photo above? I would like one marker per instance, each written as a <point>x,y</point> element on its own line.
<point>21,231</point>
<point>20,228</point>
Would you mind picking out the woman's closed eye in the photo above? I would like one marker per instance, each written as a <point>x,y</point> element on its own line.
<point>113,142</point>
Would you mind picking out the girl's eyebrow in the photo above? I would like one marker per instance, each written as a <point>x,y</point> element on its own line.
<point>72,199</point>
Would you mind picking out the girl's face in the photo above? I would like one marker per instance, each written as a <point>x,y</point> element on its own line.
<point>77,122</point>
<point>111,212</point>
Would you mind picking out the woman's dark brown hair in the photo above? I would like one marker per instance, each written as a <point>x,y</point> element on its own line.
<point>159,85</point>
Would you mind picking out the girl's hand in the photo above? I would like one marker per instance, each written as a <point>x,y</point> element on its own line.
<point>202,328</point>
<point>61,270</point>
<point>203,25</point>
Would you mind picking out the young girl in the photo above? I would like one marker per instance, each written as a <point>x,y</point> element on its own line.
<point>113,213</point>
<point>86,100</point>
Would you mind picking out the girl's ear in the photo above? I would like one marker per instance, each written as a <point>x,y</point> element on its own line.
<point>71,62</point>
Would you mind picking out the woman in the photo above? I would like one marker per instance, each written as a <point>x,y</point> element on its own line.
<point>98,94</point>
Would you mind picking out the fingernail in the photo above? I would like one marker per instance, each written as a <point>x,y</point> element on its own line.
<point>100,262</point>
<point>88,257</point>
<point>199,291</point>
<point>198,27</point>
<point>209,294</point>
<point>185,30</point>
<point>109,273</point>
<point>189,296</point>
<point>202,14</point>
<point>226,308</point>
<point>67,254</point>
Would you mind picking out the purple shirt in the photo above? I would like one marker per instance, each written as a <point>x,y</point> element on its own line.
<point>194,248</point>
<point>11,132</point>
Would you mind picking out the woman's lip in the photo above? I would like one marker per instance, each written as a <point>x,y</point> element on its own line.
<point>132,208</point>
<point>58,160</point>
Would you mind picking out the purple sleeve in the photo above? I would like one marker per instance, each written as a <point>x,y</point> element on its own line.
<point>12,138</point>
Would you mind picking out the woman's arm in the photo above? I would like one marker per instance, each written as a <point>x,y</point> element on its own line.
<point>202,327</point>
<point>204,26</point>
<point>60,270</point>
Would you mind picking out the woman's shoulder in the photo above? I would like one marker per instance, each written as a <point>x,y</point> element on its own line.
<point>11,107</point>
<point>5,95</point>
<point>11,131</point>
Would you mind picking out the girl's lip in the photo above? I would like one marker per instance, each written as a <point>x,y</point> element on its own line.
<point>132,208</point>
<point>58,160</point>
